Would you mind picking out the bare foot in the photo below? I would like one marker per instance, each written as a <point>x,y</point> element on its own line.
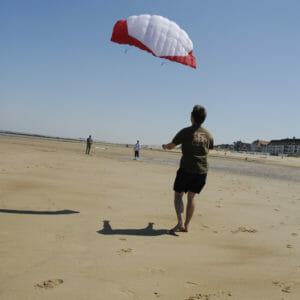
<point>177,228</point>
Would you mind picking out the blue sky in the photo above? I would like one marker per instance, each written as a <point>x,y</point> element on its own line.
<point>60,75</point>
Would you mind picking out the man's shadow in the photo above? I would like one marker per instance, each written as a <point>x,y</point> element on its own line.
<point>147,231</point>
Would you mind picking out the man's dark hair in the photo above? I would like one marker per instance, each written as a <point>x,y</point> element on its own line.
<point>199,114</point>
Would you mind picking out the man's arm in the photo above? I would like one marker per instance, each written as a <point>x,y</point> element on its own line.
<point>169,146</point>
<point>211,143</point>
<point>178,139</point>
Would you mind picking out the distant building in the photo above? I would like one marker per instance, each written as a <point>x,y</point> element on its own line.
<point>284,146</point>
<point>259,146</point>
<point>224,147</point>
<point>241,146</point>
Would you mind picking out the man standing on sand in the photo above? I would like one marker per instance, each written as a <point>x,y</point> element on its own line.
<point>89,143</point>
<point>137,148</point>
<point>191,177</point>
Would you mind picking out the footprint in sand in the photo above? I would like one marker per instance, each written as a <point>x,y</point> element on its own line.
<point>122,239</point>
<point>59,237</point>
<point>294,234</point>
<point>154,270</point>
<point>289,246</point>
<point>284,286</point>
<point>244,229</point>
<point>190,284</point>
<point>127,292</point>
<point>49,284</point>
<point>222,295</point>
<point>125,251</point>
<point>205,226</point>
<point>157,270</point>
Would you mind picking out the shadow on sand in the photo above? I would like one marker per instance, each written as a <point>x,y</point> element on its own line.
<point>147,231</point>
<point>33,212</point>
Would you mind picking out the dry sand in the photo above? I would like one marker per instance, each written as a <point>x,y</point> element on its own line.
<point>75,226</point>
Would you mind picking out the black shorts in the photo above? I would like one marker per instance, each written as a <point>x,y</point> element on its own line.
<point>136,154</point>
<point>189,182</point>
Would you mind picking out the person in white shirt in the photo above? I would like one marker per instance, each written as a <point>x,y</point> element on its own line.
<point>137,148</point>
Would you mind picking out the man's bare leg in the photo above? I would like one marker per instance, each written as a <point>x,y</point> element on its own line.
<point>189,210</point>
<point>179,208</point>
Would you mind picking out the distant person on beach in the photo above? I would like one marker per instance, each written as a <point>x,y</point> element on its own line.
<point>89,143</point>
<point>137,148</point>
<point>191,176</point>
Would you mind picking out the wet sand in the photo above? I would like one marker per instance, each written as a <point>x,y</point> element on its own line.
<point>219,164</point>
<point>75,226</point>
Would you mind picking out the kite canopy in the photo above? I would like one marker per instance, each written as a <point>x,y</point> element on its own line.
<point>157,35</point>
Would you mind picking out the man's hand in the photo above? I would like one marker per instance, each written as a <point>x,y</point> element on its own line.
<point>169,146</point>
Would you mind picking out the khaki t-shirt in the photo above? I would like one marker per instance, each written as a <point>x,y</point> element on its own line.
<point>196,142</point>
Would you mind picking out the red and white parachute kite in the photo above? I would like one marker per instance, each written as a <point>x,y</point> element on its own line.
<point>157,35</point>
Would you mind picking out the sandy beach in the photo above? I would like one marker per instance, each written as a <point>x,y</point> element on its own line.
<point>75,226</point>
